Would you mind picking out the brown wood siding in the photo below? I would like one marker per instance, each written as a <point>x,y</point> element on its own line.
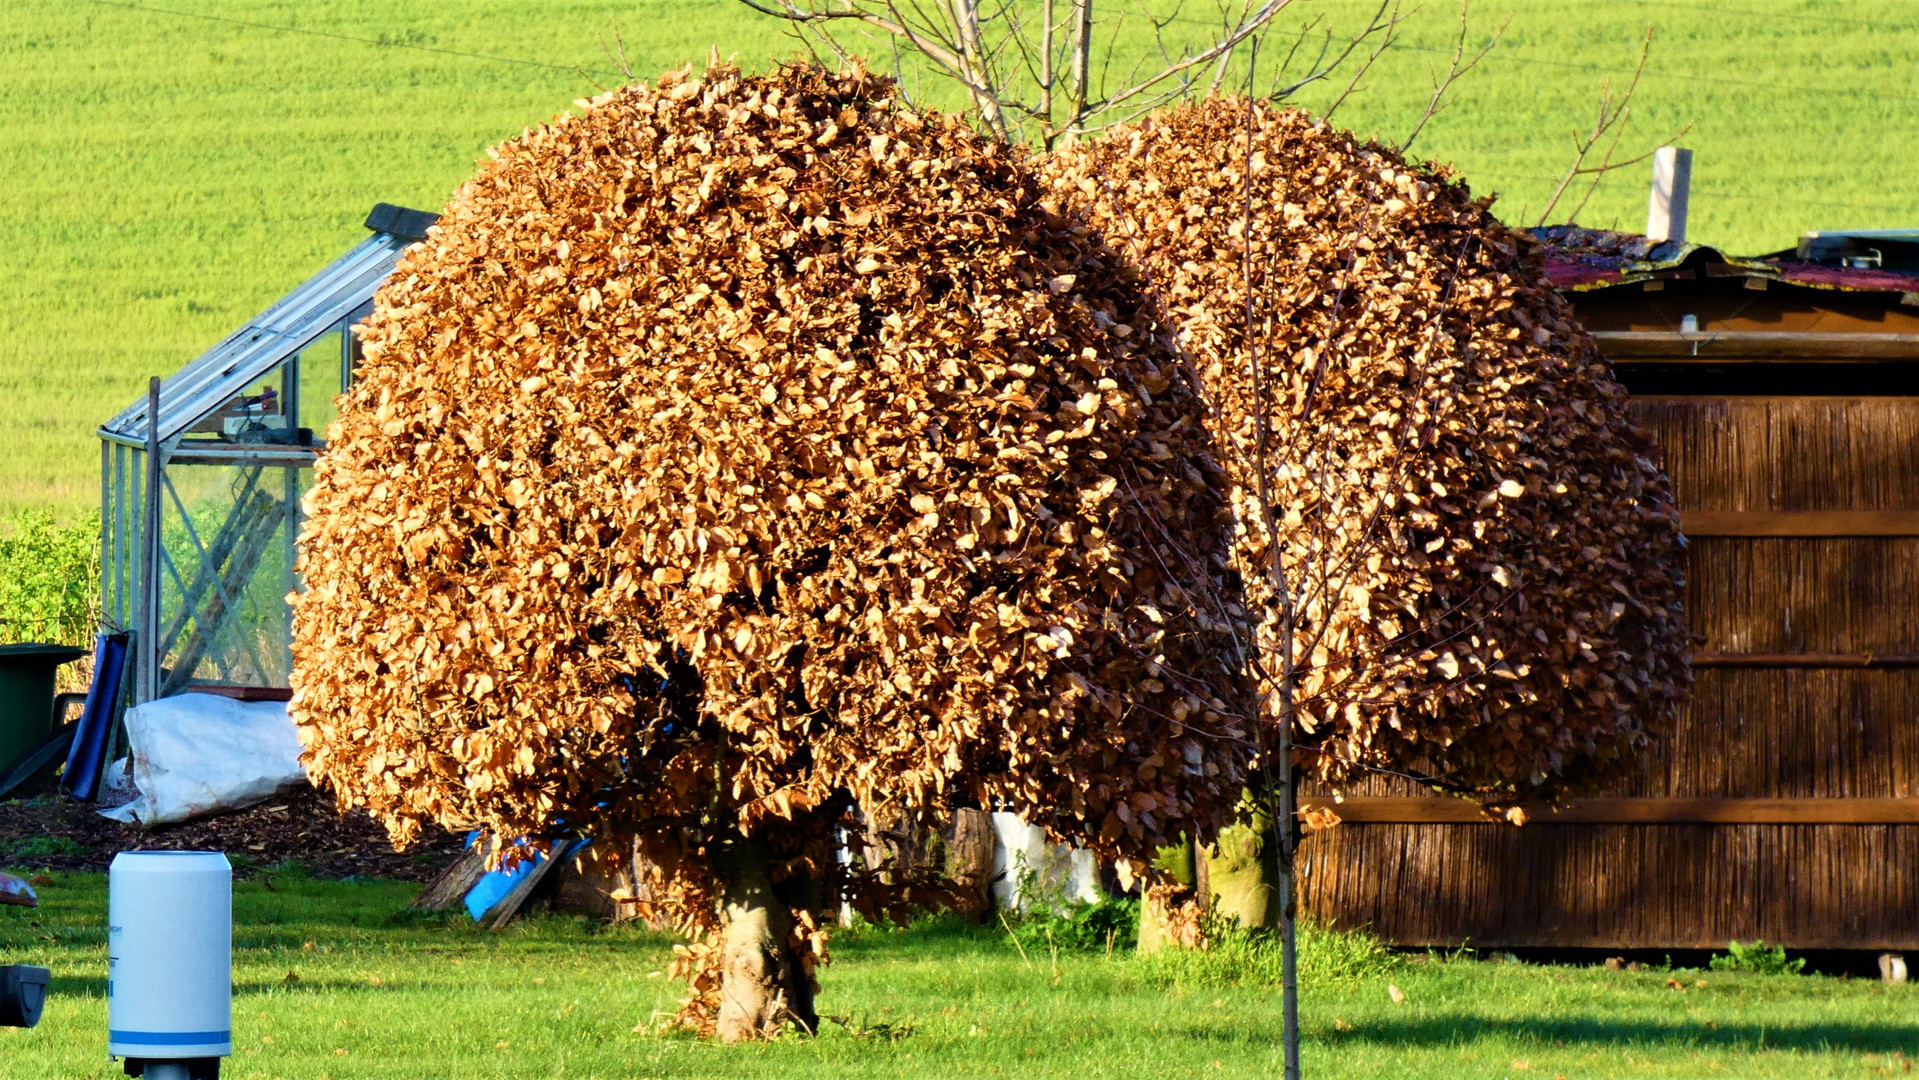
<point>1768,729</point>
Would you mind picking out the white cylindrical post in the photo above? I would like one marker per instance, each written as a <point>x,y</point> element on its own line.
<point>170,956</point>
<point>1671,194</point>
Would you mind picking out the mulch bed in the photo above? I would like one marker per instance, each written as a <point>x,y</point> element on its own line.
<point>302,826</point>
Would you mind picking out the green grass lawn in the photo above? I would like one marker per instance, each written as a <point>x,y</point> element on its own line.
<point>336,979</point>
<point>172,168</point>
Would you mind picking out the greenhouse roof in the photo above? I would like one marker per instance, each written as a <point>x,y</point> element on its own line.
<point>281,331</point>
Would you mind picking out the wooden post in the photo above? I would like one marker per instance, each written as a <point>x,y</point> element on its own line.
<point>1892,968</point>
<point>969,857</point>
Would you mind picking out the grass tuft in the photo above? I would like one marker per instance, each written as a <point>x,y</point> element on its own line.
<point>1757,957</point>
<point>1250,957</point>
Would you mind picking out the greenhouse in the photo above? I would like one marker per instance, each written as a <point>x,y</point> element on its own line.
<point>200,481</point>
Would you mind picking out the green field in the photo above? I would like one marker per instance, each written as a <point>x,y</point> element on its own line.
<point>336,979</point>
<point>169,170</point>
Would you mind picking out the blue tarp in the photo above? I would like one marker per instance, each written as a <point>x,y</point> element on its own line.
<point>493,887</point>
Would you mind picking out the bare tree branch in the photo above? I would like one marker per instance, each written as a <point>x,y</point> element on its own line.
<point>1389,35</point>
<point>1609,126</point>
<point>1461,63</point>
<point>1384,24</point>
<point>1038,70</point>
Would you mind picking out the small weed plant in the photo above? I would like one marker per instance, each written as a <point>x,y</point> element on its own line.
<point>35,849</point>
<point>1759,958</point>
<point>1108,925</point>
<point>1053,921</point>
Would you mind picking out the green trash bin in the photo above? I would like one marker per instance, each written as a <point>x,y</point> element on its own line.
<point>26,696</point>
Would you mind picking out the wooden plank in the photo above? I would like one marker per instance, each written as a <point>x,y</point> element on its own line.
<point>1720,345</point>
<point>454,882</point>
<point>1806,660</point>
<point>1434,810</point>
<point>272,456</point>
<point>243,693</point>
<point>1811,523</point>
<point>41,757</point>
<point>497,916</point>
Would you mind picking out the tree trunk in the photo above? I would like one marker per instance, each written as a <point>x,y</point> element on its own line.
<point>763,985</point>
<point>969,857</point>
<point>1177,861</point>
<point>1243,872</point>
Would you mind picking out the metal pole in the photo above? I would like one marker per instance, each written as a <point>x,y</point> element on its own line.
<point>1280,584</point>
<point>106,532</point>
<point>122,540</point>
<point>346,354</point>
<point>147,679</point>
<point>282,647</point>
<point>1288,829</point>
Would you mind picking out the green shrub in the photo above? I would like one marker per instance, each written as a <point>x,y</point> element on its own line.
<point>48,578</point>
<point>1758,958</point>
<point>1241,956</point>
<point>1076,926</point>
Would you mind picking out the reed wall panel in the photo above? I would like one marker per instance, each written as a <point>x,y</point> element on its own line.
<point>1787,453</point>
<point>1608,886</point>
<point>1803,595</point>
<point>1788,732</point>
<point>1772,733</point>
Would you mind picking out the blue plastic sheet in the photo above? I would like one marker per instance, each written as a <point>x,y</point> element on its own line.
<point>493,887</point>
<point>87,757</point>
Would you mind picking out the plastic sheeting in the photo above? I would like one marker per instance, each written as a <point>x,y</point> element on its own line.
<point>194,754</point>
<point>1029,870</point>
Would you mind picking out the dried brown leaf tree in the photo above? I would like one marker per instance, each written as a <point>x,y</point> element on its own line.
<point>1463,564</point>
<point>746,453</point>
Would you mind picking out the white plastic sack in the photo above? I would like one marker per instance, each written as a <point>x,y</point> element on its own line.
<point>194,754</point>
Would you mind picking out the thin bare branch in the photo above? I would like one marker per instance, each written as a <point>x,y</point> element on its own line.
<point>1609,126</point>
<point>1384,24</point>
<point>1082,62</point>
<point>1462,62</point>
<point>1045,77</point>
<point>1388,34</point>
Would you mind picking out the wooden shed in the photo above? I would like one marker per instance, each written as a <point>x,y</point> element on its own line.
<point>1784,393</point>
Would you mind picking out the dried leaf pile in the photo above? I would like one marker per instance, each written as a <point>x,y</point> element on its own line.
<point>745,451</point>
<point>1486,560</point>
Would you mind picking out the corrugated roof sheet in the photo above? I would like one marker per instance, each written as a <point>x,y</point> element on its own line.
<point>1579,259</point>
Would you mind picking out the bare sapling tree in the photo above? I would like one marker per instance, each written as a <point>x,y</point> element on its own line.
<point>1043,71</point>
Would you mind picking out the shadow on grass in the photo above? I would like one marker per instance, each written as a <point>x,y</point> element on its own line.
<point>930,937</point>
<point>1445,1030</point>
<point>64,986</point>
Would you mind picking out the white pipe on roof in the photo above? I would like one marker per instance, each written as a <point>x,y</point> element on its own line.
<point>1671,194</point>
